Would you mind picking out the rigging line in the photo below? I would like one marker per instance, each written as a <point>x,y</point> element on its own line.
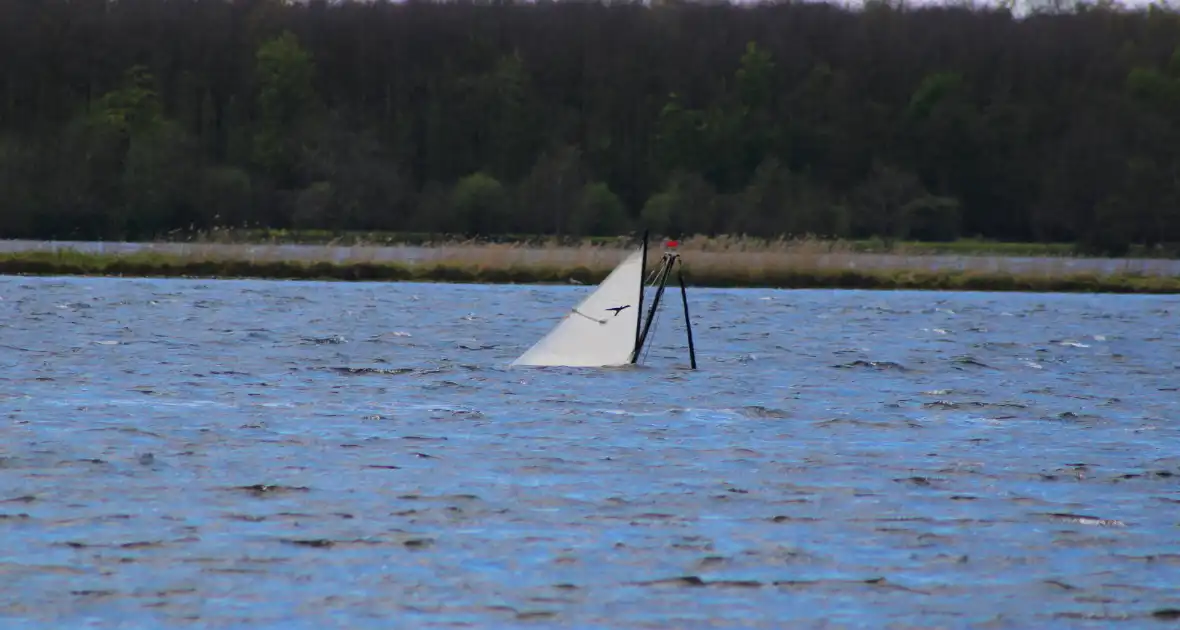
<point>659,269</point>
<point>651,277</point>
<point>664,267</point>
<point>600,321</point>
<point>655,324</point>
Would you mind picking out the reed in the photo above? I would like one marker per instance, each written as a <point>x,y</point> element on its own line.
<point>708,251</point>
<point>964,247</point>
<point>712,263</point>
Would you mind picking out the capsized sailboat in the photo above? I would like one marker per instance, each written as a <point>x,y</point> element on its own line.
<point>607,328</point>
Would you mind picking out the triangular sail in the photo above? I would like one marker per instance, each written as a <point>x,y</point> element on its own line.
<point>600,330</point>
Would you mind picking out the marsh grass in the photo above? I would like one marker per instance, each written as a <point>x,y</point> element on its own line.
<point>962,247</point>
<point>712,262</point>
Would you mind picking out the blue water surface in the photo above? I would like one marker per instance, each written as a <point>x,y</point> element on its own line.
<point>252,454</point>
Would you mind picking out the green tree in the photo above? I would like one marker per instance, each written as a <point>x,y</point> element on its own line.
<point>547,197</point>
<point>286,101</point>
<point>883,202</point>
<point>686,206</point>
<point>223,196</point>
<point>479,206</point>
<point>763,118</point>
<point>17,168</point>
<point>136,163</point>
<point>778,202</point>
<point>499,101</point>
<point>931,218</point>
<point>599,212</point>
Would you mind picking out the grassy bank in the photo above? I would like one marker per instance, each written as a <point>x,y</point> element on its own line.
<point>503,264</point>
<point>961,247</point>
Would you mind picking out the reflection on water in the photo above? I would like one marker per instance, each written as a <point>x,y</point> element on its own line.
<point>311,455</point>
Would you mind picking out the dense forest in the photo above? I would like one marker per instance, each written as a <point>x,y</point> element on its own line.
<point>135,118</point>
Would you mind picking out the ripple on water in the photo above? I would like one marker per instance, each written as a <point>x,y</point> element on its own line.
<point>300,455</point>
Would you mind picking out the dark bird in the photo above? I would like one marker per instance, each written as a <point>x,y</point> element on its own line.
<point>616,309</point>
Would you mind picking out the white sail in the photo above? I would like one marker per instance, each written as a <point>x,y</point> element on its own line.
<point>599,331</point>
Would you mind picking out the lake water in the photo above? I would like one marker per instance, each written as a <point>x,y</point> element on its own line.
<point>260,454</point>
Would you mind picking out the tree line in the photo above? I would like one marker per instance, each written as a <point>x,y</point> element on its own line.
<point>136,118</point>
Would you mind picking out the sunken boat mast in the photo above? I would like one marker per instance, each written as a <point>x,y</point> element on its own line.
<point>608,327</point>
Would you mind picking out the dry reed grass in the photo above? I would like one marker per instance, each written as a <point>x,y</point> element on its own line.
<point>697,242</point>
<point>715,253</point>
<point>723,256</point>
<point>707,263</point>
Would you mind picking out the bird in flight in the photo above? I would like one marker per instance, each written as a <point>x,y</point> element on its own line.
<point>616,309</point>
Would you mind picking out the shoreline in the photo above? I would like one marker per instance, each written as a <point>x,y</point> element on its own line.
<point>523,266</point>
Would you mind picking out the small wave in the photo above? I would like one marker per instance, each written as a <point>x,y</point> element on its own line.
<point>266,489</point>
<point>334,339</point>
<point>445,384</point>
<point>132,402</point>
<point>1069,343</point>
<point>970,360</point>
<point>948,404</point>
<point>875,365</point>
<point>1074,417</point>
<point>365,370</point>
<point>1083,519</point>
<point>758,411</point>
<point>385,336</point>
<point>480,346</point>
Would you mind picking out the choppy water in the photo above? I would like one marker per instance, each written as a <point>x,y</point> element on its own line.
<point>319,455</point>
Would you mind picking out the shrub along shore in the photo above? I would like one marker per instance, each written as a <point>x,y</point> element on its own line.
<point>499,264</point>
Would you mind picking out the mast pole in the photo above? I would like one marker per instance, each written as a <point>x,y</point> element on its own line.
<point>665,269</point>
<point>639,307</point>
<point>692,354</point>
